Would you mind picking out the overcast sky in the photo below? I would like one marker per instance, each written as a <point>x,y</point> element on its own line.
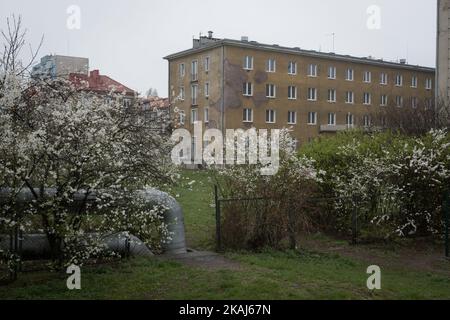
<point>128,39</point>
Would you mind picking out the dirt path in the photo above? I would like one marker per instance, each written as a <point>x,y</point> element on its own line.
<point>204,259</point>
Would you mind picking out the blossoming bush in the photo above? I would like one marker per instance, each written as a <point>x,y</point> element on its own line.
<point>54,136</point>
<point>397,182</point>
<point>275,207</point>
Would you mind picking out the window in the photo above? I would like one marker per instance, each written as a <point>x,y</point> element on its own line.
<point>399,80</point>
<point>270,91</point>
<point>194,116</point>
<point>194,70</point>
<point>383,78</point>
<point>332,119</point>
<point>126,103</point>
<point>428,84</point>
<point>207,89</point>
<point>292,117</point>
<point>207,60</point>
<point>292,92</point>
<point>194,93</point>
<point>366,121</point>
<point>349,75</point>
<point>349,97</point>
<point>182,117</point>
<point>271,65</point>
<point>312,118</point>
<point>248,63</point>
<point>399,101</point>
<point>350,120</point>
<point>414,102</point>
<point>248,115</point>
<point>248,89</point>
<point>429,103</point>
<point>367,98</point>
<point>312,94</point>
<point>383,121</point>
<point>312,70</point>
<point>292,68</point>
<point>206,115</point>
<point>331,95</point>
<point>414,82</point>
<point>182,94</point>
<point>182,70</point>
<point>331,72</point>
<point>367,77</point>
<point>270,116</point>
<point>383,100</point>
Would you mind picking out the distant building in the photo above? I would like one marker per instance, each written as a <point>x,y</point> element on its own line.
<point>443,53</point>
<point>102,85</point>
<point>156,113</point>
<point>55,66</point>
<point>242,84</point>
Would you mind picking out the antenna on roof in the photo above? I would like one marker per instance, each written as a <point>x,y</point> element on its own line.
<point>333,35</point>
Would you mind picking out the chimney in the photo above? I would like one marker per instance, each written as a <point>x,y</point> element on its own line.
<point>402,61</point>
<point>95,74</point>
<point>244,38</point>
<point>210,34</point>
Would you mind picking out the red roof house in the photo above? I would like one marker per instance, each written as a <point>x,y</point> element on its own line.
<point>100,84</point>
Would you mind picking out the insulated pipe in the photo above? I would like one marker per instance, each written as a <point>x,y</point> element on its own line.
<point>173,219</point>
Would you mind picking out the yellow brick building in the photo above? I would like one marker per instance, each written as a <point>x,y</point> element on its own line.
<point>231,84</point>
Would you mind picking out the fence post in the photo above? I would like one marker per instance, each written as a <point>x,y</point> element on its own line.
<point>355,220</point>
<point>218,220</point>
<point>446,209</point>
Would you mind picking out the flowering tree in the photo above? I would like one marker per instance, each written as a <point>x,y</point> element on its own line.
<point>54,136</point>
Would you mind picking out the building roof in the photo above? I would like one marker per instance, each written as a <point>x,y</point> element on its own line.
<point>155,102</point>
<point>204,44</point>
<point>97,83</point>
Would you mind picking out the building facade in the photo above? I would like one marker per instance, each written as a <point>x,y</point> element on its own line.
<point>443,53</point>
<point>231,84</point>
<point>56,66</point>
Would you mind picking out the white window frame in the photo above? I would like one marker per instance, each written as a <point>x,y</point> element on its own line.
<point>194,119</point>
<point>366,121</point>
<point>350,120</point>
<point>349,94</point>
<point>365,96</point>
<point>182,93</point>
<point>312,115</point>
<point>182,117</point>
<point>312,70</point>
<point>332,72</point>
<point>332,95</point>
<point>292,115</point>
<point>397,100</point>
<point>399,80</point>
<point>271,65</point>
<point>194,94</point>
<point>247,113</point>
<point>248,89</point>
<point>194,70</point>
<point>428,84</point>
<point>383,100</point>
<point>331,119</point>
<point>312,94</point>
<point>367,77</point>
<point>350,74</point>
<point>271,116</point>
<point>182,70</point>
<point>383,79</point>
<point>292,68</point>
<point>207,63</point>
<point>414,81</point>
<point>292,92</point>
<point>206,115</point>
<point>271,91</point>
<point>207,89</point>
<point>248,63</point>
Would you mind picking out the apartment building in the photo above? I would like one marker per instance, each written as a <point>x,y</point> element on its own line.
<point>231,84</point>
<point>57,66</point>
<point>443,52</point>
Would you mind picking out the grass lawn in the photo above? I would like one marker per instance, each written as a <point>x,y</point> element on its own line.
<point>310,273</point>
